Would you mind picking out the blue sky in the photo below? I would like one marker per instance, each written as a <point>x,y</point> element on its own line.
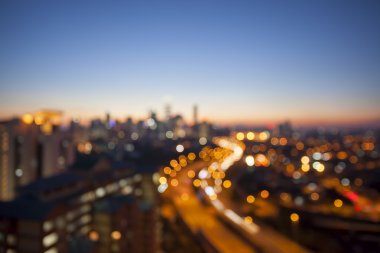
<point>240,61</point>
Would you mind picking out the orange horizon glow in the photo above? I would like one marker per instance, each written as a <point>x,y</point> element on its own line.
<point>228,122</point>
<point>303,122</point>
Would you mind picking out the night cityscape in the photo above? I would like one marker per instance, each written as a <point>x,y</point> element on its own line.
<point>190,126</point>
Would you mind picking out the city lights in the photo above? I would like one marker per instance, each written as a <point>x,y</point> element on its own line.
<point>167,170</point>
<point>162,180</point>
<point>203,140</point>
<point>345,181</point>
<point>174,182</point>
<point>314,196</point>
<point>185,196</point>
<point>180,148</point>
<point>191,174</point>
<point>263,136</point>
<point>249,160</point>
<point>248,219</point>
<point>191,156</point>
<point>203,174</point>
<point>190,127</point>
<point>250,136</point>
<point>116,235</point>
<point>173,163</point>
<point>27,118</point>
<point>305,160</point>
<point>264,194</point>
<point>206,175</point>
<point>338,203</point>
<point>227,184</point>
<point>94,236</point>
<point>250,199</point>
<point>162,188</point>
<point>240,136</point>
<point>294,217</point>
<point>197,183</point>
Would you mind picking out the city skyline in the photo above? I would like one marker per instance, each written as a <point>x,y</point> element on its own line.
<point>65,119</point>
<point>190,126</point>
<point>243,63</point>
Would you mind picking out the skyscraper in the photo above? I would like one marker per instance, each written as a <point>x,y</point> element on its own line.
<point>195,114</point>
<point>30,148</point>
<point>18,156</point>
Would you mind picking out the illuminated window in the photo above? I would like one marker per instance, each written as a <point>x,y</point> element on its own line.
<point>85,219</point>
<point>60,222</point>
<point>137,177</point>
<point>70,215</point>
<point>84,230</point>
<point>70,228</point>
<point>50,239</point>
<point>116,235</point>
<point>294,217</point>
<point>52,250</point>
<point>11,239</point>
<point>93,235</point>
<point>85,208</point>
<point>100,192</point>
<point>48,225</point>
<point>112,187</point>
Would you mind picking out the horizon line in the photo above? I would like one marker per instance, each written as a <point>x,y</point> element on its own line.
<point>244,123</point>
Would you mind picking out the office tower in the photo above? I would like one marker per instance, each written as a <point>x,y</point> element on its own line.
<point>283,130</point>
<point>195,115</point>
<point>108,121</point>
<point>57,152</point>
<point>168,111</point>
<point>31,148</point>
<point>18,156</point>
<point>85,210</point>
<point>204,130</point>
<point>7,177</point>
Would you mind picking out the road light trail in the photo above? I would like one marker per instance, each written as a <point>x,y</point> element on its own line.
<point>200,218</point>
<point>265,238</point>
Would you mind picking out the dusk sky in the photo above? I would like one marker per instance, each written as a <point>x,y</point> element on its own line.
<point>251,62</point>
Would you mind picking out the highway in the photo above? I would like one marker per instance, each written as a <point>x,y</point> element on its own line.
<point>263,237</point>
<point>241,235</point>
<point>202,219</point>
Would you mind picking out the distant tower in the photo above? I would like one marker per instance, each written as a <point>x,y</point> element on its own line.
<point>195,114</point>
<point>108,117</point>
<point>7,171</point>
<point>168,111</point>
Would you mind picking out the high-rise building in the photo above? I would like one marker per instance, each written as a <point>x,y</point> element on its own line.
<point>168,111</point>
<point>18,156</point>
<point>7,177</point>
<point>57,152</point>
<point>195,115</point>
<point>204,130</point>
<point>89,210</point>
<point>31,148</point>
<point>283,130</point>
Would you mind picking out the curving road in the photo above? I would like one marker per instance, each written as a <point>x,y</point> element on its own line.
<point>202,219</point>
<point>238,235</point>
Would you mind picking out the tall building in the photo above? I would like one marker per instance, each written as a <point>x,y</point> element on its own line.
<point>102,208</point>
<point>7,176</point>
<point>168,111</point>
<point>204,130</point>
<point>18,156</point>
<point>283,130</point>
<point>56,152</point>
<point>108,121</point>
<point>32,147</point>
<point>195,115</point>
